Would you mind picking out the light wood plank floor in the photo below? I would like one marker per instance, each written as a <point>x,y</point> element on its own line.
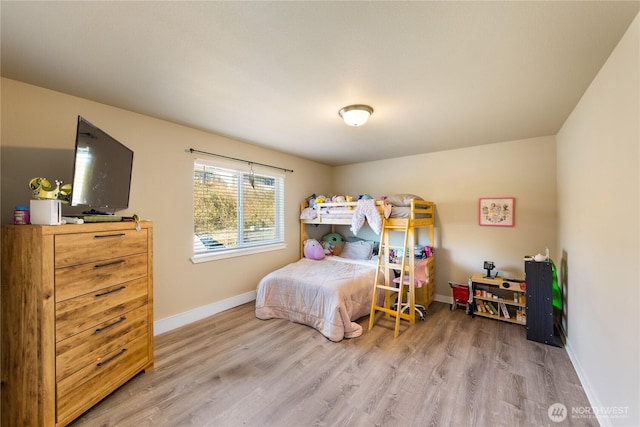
<point>450,370</point>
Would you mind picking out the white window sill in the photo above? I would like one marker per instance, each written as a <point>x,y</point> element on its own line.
<point>231,253</point>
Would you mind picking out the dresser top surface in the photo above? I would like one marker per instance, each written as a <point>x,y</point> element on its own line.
<point>79,228</point>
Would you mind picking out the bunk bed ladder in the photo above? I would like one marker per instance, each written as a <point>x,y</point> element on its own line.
<point>393,295</point>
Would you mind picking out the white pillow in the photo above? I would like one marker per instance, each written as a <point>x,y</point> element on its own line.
<point>357,250</point>
<point>401,199</point>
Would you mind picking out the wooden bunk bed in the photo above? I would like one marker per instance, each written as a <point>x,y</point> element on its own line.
<point>417,214</point>
<point>292,291</point>
<point>407,215</point>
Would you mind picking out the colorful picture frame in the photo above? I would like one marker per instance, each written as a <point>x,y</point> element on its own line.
<point>497,211</point>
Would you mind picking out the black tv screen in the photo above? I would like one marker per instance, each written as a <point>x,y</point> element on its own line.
<point>102,170</point>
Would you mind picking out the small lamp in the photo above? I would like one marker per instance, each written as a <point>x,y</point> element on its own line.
<point>356,115</point>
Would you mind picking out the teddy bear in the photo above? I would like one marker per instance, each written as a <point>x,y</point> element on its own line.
<point>313,249</point>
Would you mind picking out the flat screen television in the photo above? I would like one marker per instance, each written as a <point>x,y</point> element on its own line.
<point>101,171</point>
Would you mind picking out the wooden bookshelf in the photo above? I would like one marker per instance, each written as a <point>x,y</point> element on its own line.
<point>492,296</point>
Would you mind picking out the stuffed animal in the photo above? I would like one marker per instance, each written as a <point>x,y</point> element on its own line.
<point>311,201</point>
<point>350,199</point>
<point>313,249</point>
<point>333,244</point>
<point>328,247</point>
<point>333,237</point>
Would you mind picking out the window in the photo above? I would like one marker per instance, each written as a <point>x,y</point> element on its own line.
<point>236,211</point>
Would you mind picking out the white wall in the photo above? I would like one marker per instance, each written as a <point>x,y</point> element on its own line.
<point>454,180</point>
<point>599,233</point>
<point>38,137</point>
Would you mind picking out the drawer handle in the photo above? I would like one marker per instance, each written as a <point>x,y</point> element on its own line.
<point>110,292</point>
<point>107,236</point>
<point>109,264</point>
<point>104,362</point>
<point>120,320</point>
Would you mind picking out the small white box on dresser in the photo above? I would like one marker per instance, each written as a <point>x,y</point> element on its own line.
<point>46,212</point>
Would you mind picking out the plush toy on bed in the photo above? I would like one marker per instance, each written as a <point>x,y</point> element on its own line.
<point>311,201</point>
<point>320,199</point>
<point>332,244</point>
<point>327,247</point>
<point>333,237</point>
<point>313,249</point>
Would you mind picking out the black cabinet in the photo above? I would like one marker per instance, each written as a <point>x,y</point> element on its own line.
<point>541,312</point>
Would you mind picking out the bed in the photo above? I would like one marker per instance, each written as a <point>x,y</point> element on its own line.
<point>328,294</point>
<point>400,207</point>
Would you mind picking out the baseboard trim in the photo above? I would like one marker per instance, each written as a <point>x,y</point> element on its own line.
<point>167,324</point>
<point>170,323</point>
<point>592,396</point>
<point>444,299</point>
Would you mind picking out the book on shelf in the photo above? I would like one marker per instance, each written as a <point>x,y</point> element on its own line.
<point>491,308</point>
<point>503,307</point>
<point>485,309</point>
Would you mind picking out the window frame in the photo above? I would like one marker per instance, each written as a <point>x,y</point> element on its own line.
<point>242,250</point>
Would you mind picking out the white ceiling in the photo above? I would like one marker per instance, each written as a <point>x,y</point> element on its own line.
<point>439,75</point>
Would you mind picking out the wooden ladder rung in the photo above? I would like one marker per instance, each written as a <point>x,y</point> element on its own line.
<point>393,312</point>
<point>388,288</point>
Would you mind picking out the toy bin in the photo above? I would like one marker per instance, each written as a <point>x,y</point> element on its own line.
<point>460,294</point>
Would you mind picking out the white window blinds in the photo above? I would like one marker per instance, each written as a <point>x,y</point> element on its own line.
<point>236,208</point>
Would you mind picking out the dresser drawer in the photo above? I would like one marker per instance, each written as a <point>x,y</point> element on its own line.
<point>84,278</point>
<point>431,292</point>
<point>431,267</point>
<point>78,314</point>
<point>421,295</point>
<point>82,389</point>
<point>80,350</point>
<point>80,248</point>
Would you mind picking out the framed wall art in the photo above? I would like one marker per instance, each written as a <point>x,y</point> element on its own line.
<point>497,211</point>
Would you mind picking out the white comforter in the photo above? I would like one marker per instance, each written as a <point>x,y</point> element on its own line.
<point>327,295</point>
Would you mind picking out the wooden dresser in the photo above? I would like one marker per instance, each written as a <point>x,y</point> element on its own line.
<point>431,275</point>
<point>77,317</point>
<point>425,295</point>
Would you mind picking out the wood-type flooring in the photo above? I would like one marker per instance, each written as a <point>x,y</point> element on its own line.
<point>452,369</point>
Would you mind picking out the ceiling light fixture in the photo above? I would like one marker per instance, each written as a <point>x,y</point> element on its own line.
<point>355,115</point>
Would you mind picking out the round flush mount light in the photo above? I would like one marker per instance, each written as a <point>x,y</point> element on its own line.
<point>356,115</point>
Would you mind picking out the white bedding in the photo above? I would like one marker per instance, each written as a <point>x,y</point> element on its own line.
<point>327,295</point>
